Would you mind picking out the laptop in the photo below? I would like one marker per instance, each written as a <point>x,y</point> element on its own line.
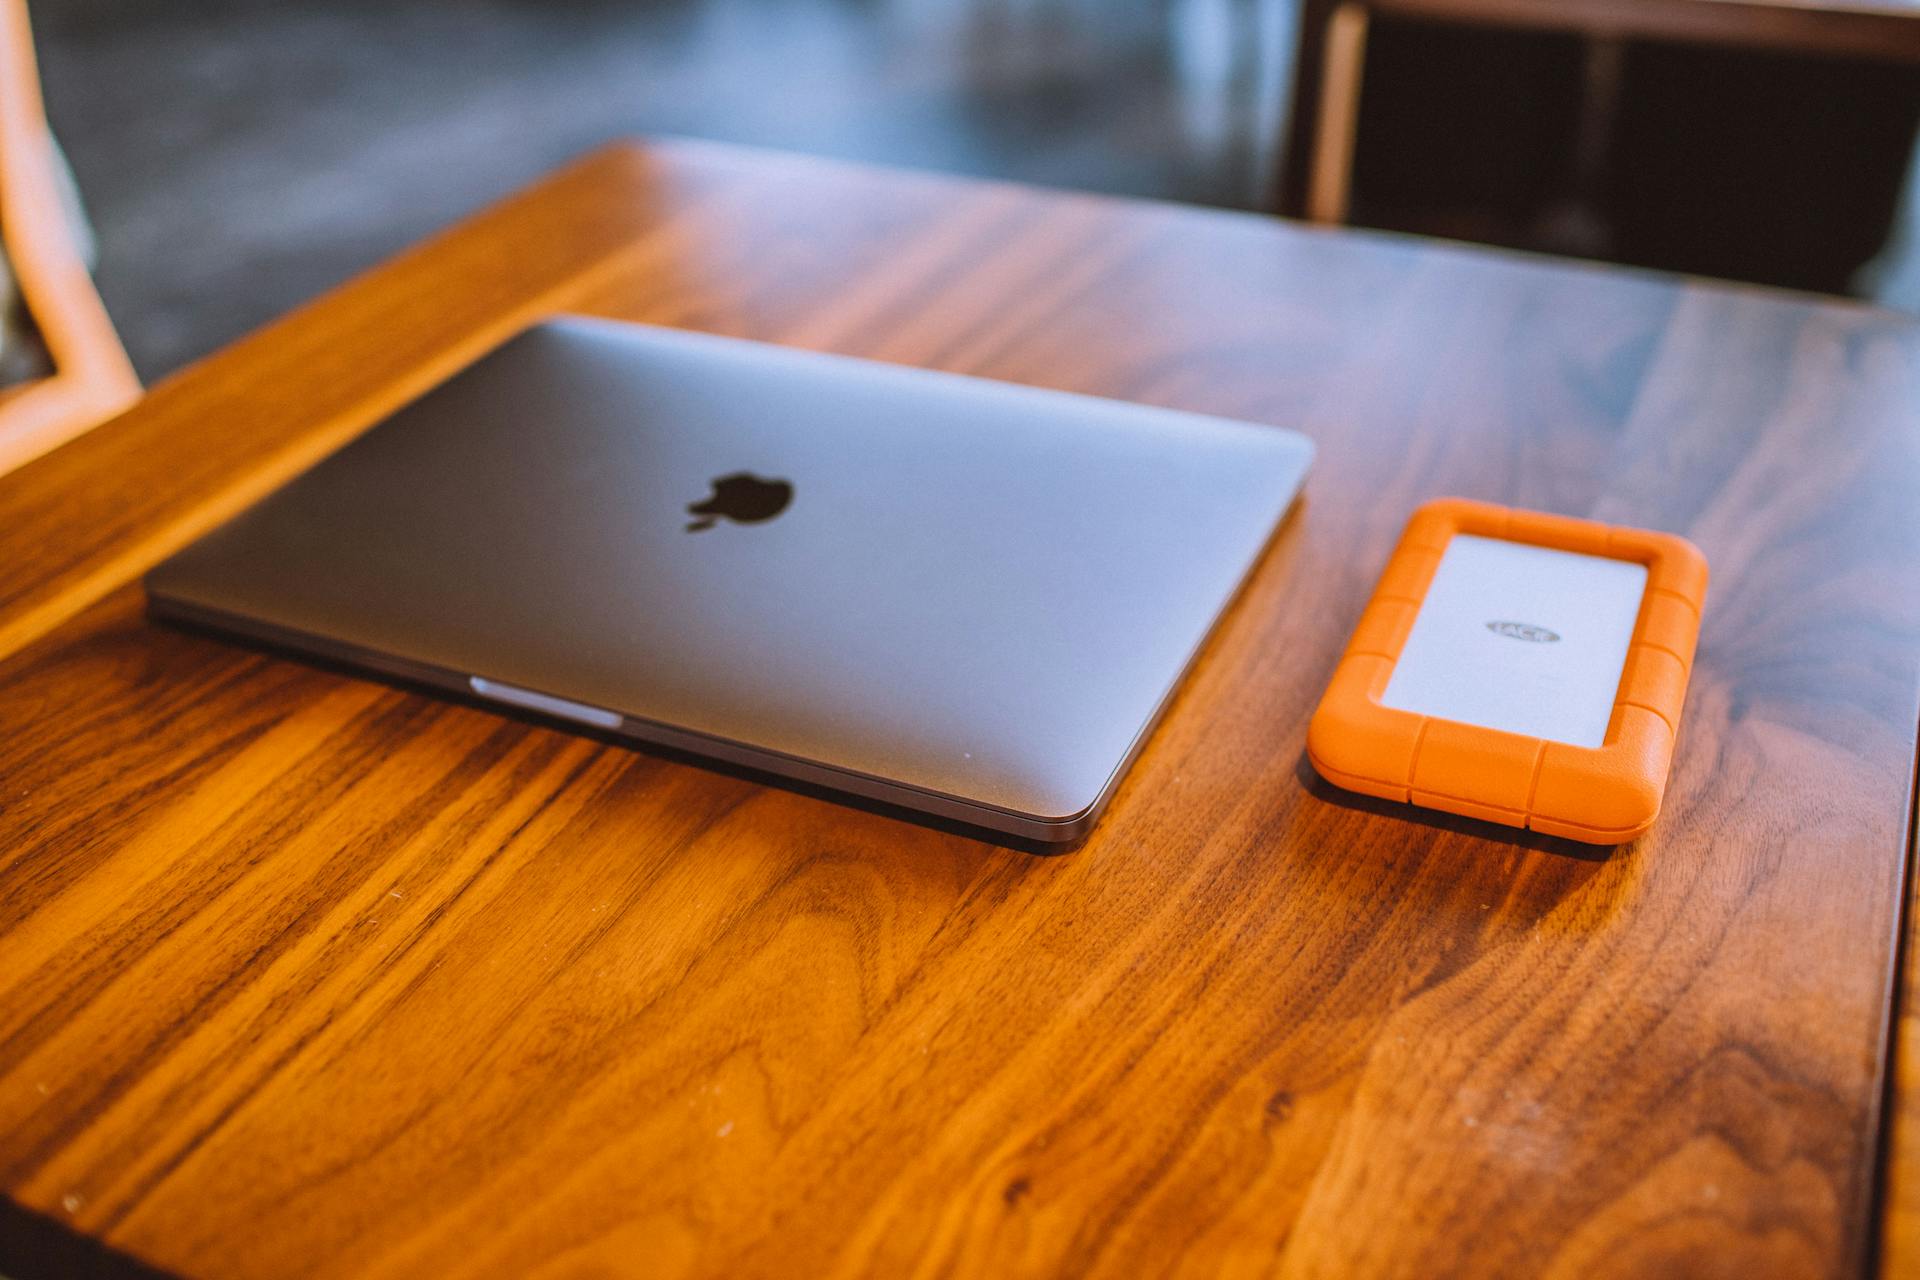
<point>963,598</point>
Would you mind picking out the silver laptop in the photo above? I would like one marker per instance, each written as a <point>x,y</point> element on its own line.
<point>961,597</point>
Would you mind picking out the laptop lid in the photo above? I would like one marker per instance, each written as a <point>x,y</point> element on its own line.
<point>963,596</point>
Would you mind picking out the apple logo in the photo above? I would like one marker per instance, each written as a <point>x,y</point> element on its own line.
<point>743,498</point>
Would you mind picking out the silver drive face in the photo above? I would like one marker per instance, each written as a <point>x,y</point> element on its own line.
<point>963,597</point>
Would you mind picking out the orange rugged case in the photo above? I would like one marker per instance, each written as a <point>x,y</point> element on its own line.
<point>1603,795</point>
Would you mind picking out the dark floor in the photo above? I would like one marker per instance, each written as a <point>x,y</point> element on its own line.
<point>239,156</point>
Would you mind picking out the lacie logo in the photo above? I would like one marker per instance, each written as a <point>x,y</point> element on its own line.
<point>1524,631</point>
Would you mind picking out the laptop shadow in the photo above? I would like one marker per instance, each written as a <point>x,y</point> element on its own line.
<point>672,755</point>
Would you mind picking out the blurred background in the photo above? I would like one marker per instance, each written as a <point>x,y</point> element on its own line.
<point>238,156</point>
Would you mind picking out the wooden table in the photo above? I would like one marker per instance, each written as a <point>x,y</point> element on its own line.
<point>301,974</point>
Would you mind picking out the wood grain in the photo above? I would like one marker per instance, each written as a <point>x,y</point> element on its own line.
<point>1900,1222</point>
<point>304,974</point>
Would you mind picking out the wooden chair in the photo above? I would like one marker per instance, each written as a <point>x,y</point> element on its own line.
<point>91,378</point>
<point>1332,48</point>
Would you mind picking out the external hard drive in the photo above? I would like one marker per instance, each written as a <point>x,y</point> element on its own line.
<point>1524,668</point>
